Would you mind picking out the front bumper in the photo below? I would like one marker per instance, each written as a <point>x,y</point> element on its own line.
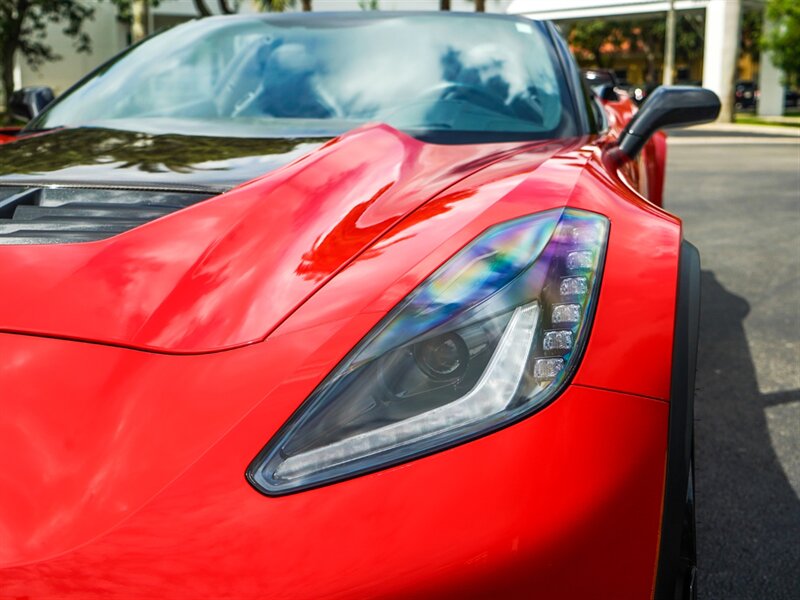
<point>566,504</point>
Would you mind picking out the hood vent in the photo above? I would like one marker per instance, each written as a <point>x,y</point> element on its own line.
<point>62,215</point>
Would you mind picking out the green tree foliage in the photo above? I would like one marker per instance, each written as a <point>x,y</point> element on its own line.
<point>751,31</point>
<point>282,5</point>
<point>147,153</point>
<point>23,29</point>
<point>600,42</point>
<point>783,39</point>
<point>592,38</point>
<point>134,13</point>
<point>125,7</point>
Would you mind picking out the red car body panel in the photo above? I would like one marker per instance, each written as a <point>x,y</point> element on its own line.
<point>239,544</point>
<point>224,273</point>
<point>123,468</point>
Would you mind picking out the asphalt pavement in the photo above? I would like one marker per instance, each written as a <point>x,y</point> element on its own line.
<point>738,192</point>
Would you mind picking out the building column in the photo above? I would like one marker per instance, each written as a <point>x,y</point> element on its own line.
<point>721,51</point>
<point>17,71</point>
<point>770,101</point>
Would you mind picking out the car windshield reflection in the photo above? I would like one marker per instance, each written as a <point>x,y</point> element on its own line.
<point>282,76</point>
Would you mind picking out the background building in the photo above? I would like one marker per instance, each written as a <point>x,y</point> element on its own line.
<point>721,48</point>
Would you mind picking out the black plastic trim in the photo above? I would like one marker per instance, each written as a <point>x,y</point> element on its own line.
<point>577,90</point>
<point>677,559</point>
<point>72,215</point>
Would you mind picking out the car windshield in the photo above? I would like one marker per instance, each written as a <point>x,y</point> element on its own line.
<point>300,76</point>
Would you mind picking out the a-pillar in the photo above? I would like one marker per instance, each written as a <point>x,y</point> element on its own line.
<point>770,101</point>
<point>721,51</point>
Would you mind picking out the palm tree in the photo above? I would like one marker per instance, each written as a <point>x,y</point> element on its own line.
<point>444,4</point>
<point>480,5</point>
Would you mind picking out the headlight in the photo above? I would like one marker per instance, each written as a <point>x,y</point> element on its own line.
<point>489,338</point>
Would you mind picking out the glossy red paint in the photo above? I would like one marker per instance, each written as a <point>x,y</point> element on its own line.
<point>123,469</point>
<point>136,487</point>
<point>639,281</point>
<point>224,273</point>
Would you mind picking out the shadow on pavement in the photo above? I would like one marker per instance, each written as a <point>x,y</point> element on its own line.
<point>751,546</point>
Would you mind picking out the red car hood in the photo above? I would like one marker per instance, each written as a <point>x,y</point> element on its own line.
<point>226,272</point>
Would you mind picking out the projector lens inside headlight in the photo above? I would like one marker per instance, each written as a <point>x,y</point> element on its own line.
<point>487,339</point>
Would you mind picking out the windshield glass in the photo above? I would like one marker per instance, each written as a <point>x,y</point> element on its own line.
<point>300,76</point>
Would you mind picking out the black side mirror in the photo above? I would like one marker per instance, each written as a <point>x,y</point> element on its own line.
<point>28,102</point>
<point>668,106</point>
<point>607,93</point>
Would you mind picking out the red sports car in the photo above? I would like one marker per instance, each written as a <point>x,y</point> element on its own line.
<point>376,305</point>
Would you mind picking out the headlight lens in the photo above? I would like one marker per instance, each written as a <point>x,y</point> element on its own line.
<point>487,339</point>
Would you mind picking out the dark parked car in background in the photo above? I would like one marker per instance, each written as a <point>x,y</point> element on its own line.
<point>599,78</point>
<point>791,98</point>
<point>745,94</point>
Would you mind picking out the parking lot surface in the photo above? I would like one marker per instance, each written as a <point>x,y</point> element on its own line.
<point>739,196</point>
